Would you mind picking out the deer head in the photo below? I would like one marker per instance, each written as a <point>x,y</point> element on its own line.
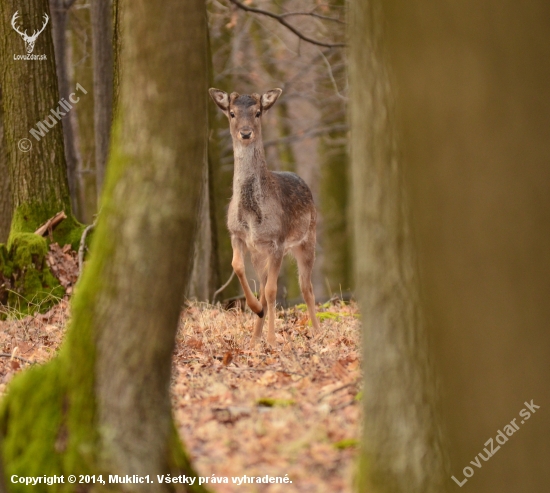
<point>244,112</point>
<point>29,40</point>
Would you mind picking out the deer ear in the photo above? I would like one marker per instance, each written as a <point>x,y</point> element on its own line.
<point>220,98</point>
<point>268,99</point>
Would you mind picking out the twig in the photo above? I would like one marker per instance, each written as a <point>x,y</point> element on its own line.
<point>331,76</point>
<point>282,21</point>
<point>223,287</point>
<point>338,389</point>
<point>312,14</point>
<point>342,406</point>
<point>6,355</point>
<point>265,369</point>
<point>50,224</point>
<point>82,246</point>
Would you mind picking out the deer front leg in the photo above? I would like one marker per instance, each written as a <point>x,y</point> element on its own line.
<point>238,267</point>
<point>259,263</point>
<point>274,266</point>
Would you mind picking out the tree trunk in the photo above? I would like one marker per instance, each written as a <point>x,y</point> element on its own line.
<point>60,13</point>
<point>401,445</point>
<point>33,141</point>
<point>474,103</point>
<point>83,73</point>
<point>39,176</point>
<point>102,37</point>
<point>5,188</point>
<point>103,405</point>
<point>220,177</point>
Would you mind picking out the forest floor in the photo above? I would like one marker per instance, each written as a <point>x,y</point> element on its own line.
<point>291,411</point>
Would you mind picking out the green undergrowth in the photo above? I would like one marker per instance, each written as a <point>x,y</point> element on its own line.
<point>270,402</point>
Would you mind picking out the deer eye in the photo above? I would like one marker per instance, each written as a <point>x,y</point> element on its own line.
<point>232,114</point>
<point>258,114</point>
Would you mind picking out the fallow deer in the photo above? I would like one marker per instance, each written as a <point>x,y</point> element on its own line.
<point>270,212</point>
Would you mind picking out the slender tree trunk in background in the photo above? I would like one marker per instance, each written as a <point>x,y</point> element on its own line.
<point>60,11</point>
<point>221,176</point>
<point>205,278</point>
<point>82,73</point>
<point>334,167</point>
<point>401,443</point>
<point>473,80</point>
<point>107,393</point>
<point>102,43</point>
<point>5,189</point>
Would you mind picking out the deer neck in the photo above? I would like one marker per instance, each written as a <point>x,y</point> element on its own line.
<point>250,166</point>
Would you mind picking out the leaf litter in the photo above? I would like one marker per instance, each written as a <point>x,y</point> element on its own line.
<point>291,410</point>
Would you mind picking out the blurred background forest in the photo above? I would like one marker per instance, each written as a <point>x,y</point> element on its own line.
<point>305,133</point>
<point>449,116</point>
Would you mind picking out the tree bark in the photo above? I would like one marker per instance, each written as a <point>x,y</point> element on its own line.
<point>102,38</point>
<point>60,11</point>
<point>402,449</point>
<point>5,188</point>
<point>83,73</point>
<point>474,105</point>
<point>103,405</point>
<point>33,139</point>
<point>39,177</point>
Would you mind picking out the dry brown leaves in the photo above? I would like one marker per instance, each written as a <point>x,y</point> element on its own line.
<point>30,340</point>
<point>64,265</point>
<point>290,410</point>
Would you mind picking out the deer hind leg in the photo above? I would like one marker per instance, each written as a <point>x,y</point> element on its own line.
<point>305,256</point>
<point>238,267</point>
<point>260,266</point>
<point>273,268</point>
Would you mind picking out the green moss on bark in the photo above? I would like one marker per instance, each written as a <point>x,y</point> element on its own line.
<point>27,218</point>
<point>28,284</point>
<point>26,281</point>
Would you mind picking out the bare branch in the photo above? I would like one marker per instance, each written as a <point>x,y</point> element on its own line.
<point>312,132</point>
<point>312,14</point>
<point>281,20</point>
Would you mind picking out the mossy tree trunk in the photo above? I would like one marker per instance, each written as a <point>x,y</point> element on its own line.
<point>103,405</point>
<point>402,449</point>
<point>35,161</point>
<point>39,177</point>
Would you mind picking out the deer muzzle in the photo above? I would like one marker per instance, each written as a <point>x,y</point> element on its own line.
<point>246,133</point>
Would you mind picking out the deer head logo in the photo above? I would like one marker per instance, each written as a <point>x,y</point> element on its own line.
<point>29,40</point>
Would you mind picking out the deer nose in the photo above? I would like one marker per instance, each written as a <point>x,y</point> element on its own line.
<point>246,133</point>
